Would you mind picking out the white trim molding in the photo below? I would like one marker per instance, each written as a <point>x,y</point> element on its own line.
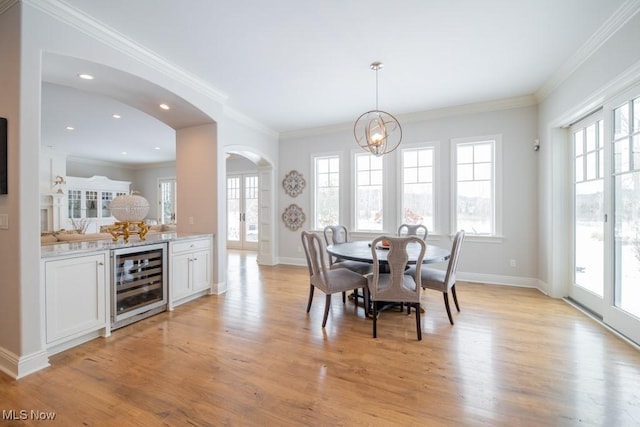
<point>18,367</point>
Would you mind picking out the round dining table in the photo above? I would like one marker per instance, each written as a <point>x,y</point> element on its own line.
<point>361,251</point>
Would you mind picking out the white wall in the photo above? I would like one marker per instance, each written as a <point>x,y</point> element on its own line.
<point>11,277</point>
<point>479,261</point>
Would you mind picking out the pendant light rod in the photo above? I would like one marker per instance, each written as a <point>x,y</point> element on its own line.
<point>376,66</point>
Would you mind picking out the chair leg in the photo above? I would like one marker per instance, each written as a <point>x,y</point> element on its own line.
<point>344,297</point>
<point>446,304</point>
<point>311,288</point>
<point>455,297</point>
<point>327,305</point>
<point>367,301</point>
<point>418,325</point>
<point>375,319</point>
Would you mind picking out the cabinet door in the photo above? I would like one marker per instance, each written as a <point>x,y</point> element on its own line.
<point>179,285</point>
<point>200,271</point>
<point>75,292</point>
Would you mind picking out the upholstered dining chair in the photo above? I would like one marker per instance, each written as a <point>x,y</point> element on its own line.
<point>443,280</point>
<point>395,286</point>
<point>413,230</point>
<point>327,280</point>
<point>336,234</point>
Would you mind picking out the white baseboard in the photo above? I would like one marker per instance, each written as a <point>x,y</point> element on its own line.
<point>18,367</point>
<point>219,288</point>
<point>490,279</point>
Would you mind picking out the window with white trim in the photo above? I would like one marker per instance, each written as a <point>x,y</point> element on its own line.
<point>368,192</point>
<point>417,186</point>
<point>475,181</point>
<point>326,204</point>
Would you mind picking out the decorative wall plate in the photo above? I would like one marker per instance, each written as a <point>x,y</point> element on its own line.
<point>293,183</point>
<point>293,217</point>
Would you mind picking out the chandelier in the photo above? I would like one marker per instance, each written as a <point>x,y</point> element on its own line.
<point>377,131</point>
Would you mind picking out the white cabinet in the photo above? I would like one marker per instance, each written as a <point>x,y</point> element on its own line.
<point>189,269</point>
<point>75,290</point>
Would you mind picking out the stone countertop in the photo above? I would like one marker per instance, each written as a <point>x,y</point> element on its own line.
<point>79,248</point>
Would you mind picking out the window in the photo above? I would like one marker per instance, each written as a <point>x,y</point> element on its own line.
<point>167,214</point>
<point>368,192</point>
<point>476,202</point>
<point>326,191</point>
<point>417,192</point>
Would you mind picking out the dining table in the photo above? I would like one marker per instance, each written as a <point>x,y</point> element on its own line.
<point>361,251</point>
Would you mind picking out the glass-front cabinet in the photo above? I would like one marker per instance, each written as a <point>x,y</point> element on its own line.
<point>89,200</point>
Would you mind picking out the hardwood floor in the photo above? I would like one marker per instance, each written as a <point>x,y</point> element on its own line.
<point>254,357</point>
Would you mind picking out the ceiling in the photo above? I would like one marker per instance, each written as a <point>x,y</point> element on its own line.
<point>294,68</point>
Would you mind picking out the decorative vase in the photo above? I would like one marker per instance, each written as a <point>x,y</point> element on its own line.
<point>129,208</point>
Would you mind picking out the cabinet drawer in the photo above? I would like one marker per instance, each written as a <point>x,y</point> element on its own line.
<point>190,245</point>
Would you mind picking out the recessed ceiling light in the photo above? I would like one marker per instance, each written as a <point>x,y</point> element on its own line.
<point>164,106</point>
<point>85,76</point>
<point>124,153</point>
<point>116,116</point>
<point>69,128</point>
<point>157,148</point>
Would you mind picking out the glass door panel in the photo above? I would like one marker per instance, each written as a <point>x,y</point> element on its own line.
<point>251,208</point>
<point>627,243</point>
<point>233,211</point>
<point>622,311</point>
<point>588,220</point>
<point>167,214</point>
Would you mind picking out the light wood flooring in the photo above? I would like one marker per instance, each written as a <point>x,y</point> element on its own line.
<point>254,357</point>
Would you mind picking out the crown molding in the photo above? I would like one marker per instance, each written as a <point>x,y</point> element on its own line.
<point>63,12</point>
<point>243,119</point>
<point>616,21</point>
<point>474,108</point>
<point>6,5</point>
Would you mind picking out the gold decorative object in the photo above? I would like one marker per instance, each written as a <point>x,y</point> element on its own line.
<point>129,210</point>
<point>127,228</point>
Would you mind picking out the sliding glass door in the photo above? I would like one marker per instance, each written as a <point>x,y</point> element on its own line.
<point>606,213</point>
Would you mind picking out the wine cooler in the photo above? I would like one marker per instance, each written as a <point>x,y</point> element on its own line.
<point>138,283</point>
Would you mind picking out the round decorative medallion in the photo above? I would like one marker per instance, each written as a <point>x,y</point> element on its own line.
<point>293,217</point>
<point>293,183</point>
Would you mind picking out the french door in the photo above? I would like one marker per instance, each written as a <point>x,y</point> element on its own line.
<point>606,237</point>
<point>242,211</point>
